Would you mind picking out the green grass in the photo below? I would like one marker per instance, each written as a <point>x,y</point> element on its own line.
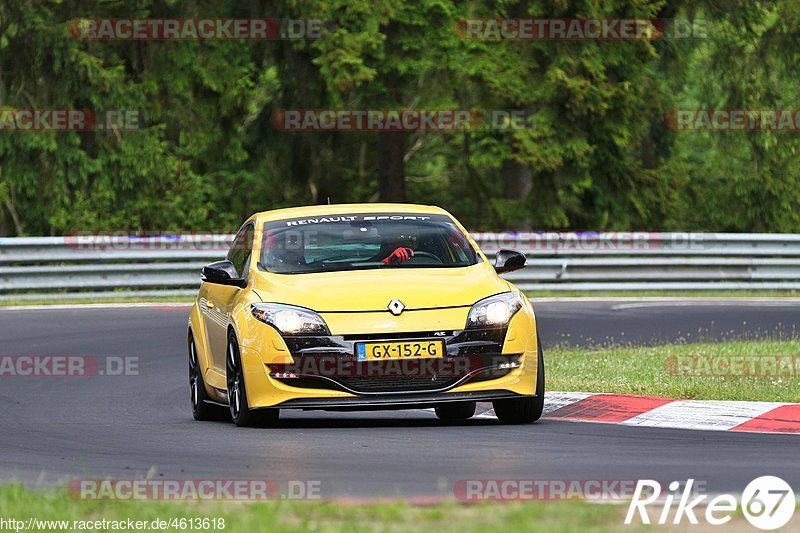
<point>651,371</point>
<point>20,503</point>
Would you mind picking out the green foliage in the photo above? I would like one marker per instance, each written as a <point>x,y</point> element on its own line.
<point>741,181</point>
<point>596,153</point>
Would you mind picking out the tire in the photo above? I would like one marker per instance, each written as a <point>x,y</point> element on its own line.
<point>524,410</point>
<point>456,411</point>
<point>201,408</point>
<point>241,414</point>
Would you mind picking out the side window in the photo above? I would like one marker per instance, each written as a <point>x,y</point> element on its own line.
<point>242,245</point>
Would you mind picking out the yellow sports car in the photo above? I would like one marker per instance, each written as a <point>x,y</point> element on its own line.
<point>359,307</point>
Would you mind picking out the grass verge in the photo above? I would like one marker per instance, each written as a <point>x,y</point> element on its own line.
<point>19,503</point>
<point>746,370</point>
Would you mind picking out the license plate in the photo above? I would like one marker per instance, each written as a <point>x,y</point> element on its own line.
<point>382,351</point>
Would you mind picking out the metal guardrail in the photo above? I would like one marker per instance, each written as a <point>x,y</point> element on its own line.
<point>117,265</point>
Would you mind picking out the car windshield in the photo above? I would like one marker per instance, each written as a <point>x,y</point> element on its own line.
<point>357,242</point>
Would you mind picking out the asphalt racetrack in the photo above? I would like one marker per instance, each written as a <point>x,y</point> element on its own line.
<point>52,428</point>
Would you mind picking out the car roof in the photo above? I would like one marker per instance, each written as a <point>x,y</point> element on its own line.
<point>343,209</point>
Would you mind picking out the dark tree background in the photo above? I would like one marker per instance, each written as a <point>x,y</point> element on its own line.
<point>596,154</point>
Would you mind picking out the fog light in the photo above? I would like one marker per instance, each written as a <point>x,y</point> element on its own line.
<point>283,375</point>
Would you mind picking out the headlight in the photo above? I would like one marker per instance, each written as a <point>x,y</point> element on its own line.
<point>495,310</point>
<point>290,320</point>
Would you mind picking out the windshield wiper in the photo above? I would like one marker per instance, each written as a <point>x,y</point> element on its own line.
<point>332,269</point>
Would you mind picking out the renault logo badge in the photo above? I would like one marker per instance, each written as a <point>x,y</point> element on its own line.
<point>396,307</point>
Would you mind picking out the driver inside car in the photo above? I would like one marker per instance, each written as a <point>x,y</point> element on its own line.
<point>285,252</point>
<point>396,250</point>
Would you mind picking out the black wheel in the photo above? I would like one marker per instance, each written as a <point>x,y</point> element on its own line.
<point>241,413</point>
<point>456,411</point>
<point>201,408</point>
<point>524,410</point>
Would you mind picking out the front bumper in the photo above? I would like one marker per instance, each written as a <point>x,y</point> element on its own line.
<point>479,365</point>
<point>330,363</point>
<point>408,401</point>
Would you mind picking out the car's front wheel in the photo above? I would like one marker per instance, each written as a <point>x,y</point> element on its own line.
<point>524,410</point>
<point>456,411</point>
<point>241,413</point>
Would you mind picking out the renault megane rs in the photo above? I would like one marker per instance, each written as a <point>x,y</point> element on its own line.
<point>360,307</point>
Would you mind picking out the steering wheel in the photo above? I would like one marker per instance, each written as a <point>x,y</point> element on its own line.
<point>426,255</point>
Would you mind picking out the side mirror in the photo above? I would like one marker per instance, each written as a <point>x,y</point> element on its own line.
<point>508,261</point>
<point>222,273</point>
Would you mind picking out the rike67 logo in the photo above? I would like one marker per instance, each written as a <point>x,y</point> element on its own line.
<point>767,502</point>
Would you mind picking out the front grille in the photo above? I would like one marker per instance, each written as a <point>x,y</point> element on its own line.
<point>399,336</point>
<point>371,381</point>
<point>371,384</point>
<point>478,352</point>
<point>462,342</point>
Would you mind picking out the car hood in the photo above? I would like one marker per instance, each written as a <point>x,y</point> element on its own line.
<point>372,290</point>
